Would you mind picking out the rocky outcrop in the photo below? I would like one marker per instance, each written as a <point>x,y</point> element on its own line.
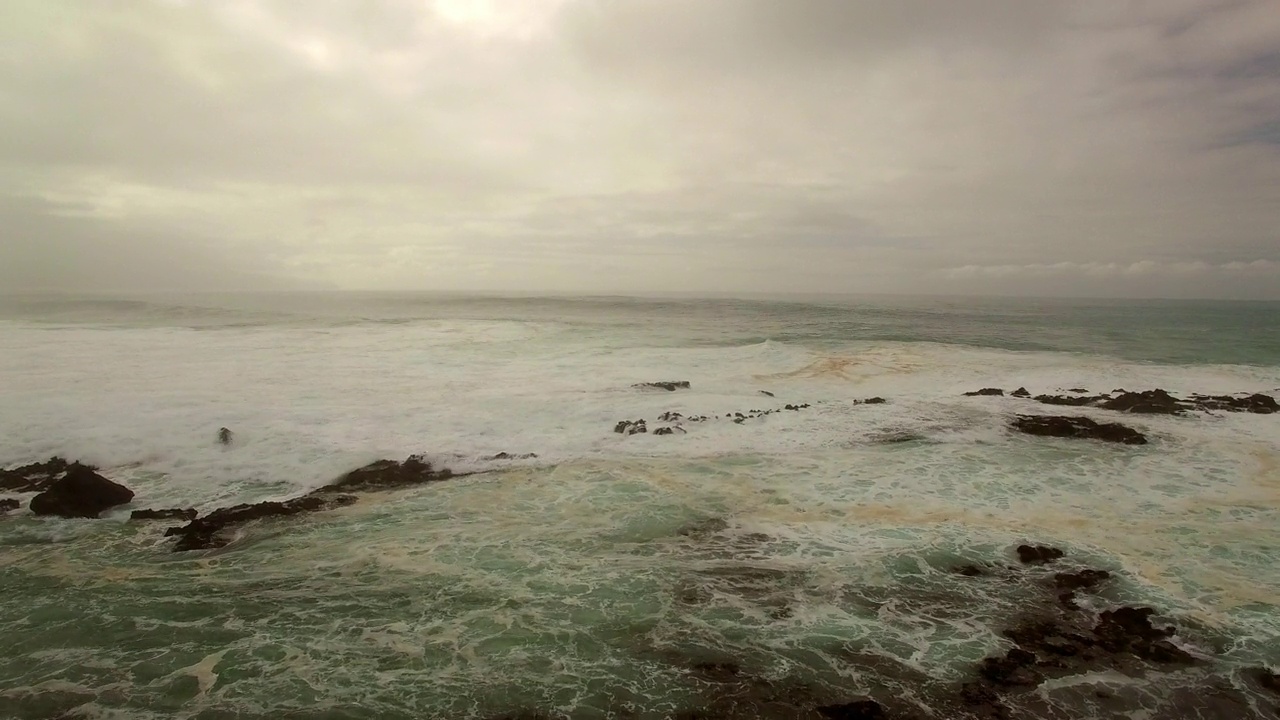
<point>1020,393</point>
<point>986,392</point>
<point>871,401</point>
<point>631,427</point>
<point>1161,402</point>
<point>1255,403</point>
<point>1077,427</point>
<point>8,505</point>
<point>668,385</point>
<point>389,475</point>
<point>36,477</point>
<point>1038,554</point>
<point>1148,402</point>
<point>224,436</point>
<point>187,514</point>
<point>80,493</point>
<point>209,532</point>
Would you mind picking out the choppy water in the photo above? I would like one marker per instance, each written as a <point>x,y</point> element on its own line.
<point>565,584</point>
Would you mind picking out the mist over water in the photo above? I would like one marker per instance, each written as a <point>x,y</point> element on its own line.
<point>582,581</point>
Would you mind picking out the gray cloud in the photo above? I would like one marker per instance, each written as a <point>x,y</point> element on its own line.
<point>579,145</point>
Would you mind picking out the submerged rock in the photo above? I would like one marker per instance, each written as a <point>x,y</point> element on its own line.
<point>509,456</point>
<point>187,514</point>
<point>857,710</point>
<point>9,504</point>
<point>1021,393</point>
<point>766,392</point>
<point>1077,427</point>
<point>670,430</point>
<point>986,392</point>
<point>36,477</point>
<point>872,401</point>
<point>389,474</point>
<point>80,493</point>
<point>668,385</point>
<point>207,532</point>
<point>1080,580</point>
<point>224,436</point>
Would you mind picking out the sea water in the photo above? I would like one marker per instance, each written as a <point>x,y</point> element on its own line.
<point>584,582</point>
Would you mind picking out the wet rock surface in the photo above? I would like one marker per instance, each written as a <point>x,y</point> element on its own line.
<point>514,456</point>
<point>211,531</point>
<point>208,532</point>
<point>9,505</point>
<point>187,514</point>
<point>1149,402</point>
<point>1077,427</point>
<point>389,475</point>
<point>668,385</point>
<point>80,492</point>
<point>1038,554</point>
<point>36,477</point>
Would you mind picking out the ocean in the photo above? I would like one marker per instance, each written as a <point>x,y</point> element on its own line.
<point>722,571</point>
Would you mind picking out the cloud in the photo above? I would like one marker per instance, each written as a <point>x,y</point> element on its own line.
<point>632,145</point>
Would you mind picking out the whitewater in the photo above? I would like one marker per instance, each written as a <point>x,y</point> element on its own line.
<point>603,577</point>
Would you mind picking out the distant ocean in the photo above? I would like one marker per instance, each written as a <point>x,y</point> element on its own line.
<point>636,576</point>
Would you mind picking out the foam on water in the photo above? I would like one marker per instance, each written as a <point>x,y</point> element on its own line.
<point>583,580</point>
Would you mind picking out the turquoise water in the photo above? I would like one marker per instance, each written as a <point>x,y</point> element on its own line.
<point>603,578</point>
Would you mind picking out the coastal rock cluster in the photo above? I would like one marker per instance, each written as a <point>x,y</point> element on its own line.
<point>636,427</point>
<point>1146,402</point>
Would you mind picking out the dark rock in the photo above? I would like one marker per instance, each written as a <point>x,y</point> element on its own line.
<point>509,456</point>
<point>1017,667</point>
<point>1150,402</point>
<point>1256,403</point>
<point>986,391</point>
<point>1081,580</point>
<point>389,474</point>
<point>35,477</point>
<point>872,401</point>
<point>1077,427</point>
<point>857,710</point>
<point>896,436</point>
<point>766,392</point>
<point>80,493</point>
<point>188,514</point>
<point>629,427</point>
<point>668,385</point>
<point>670,416</point>
<point>1130,628</point>
<point>1038,554</point>
<point>1077,390</point>
<point>670,430</point>
<point>970,571</point>
<point>224,436</point>
<point>1267,679</point>
<point>1021,393</point>
<point>9,504</point>
<point>207,532</point>
<point>1069,400</point>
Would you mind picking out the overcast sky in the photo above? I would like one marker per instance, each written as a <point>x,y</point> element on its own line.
<point>923,146</point>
